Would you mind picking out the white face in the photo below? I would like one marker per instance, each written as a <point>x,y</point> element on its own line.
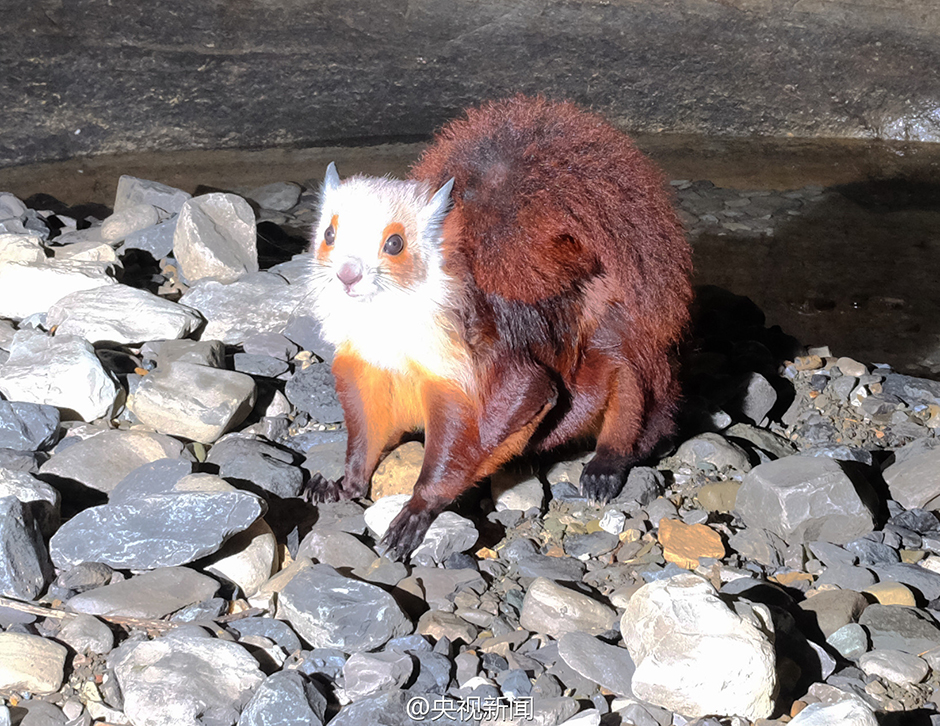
<point>378,271</point>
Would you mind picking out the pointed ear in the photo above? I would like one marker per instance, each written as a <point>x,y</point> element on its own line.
<point>331,180</point>
<point>440,203</point>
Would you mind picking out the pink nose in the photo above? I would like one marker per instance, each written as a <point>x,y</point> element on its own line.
<point>349,274</point>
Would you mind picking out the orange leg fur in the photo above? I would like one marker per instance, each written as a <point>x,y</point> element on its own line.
<point>466,439</point>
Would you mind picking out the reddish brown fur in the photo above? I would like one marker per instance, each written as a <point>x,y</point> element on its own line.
<point>574,275</point>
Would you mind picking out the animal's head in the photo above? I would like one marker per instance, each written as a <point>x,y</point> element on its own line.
<point>377,236</point>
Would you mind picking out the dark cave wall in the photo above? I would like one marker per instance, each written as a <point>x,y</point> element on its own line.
<point>91,76</point>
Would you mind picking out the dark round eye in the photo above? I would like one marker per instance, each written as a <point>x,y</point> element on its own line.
<point>329,236</point>
<point>394,244</point>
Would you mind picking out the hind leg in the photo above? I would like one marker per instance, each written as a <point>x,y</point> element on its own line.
<point>639,414</point>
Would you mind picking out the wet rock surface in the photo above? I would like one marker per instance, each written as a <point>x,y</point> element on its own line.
<point>783,558</point>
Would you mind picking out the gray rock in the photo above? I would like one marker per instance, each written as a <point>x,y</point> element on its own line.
<point>770,443</point>
<point>285,699</point>
<point>713,451</point>
<point>325,452</point>
<point>448,533</point>
<point>150,595</point>
<point>274,345</point>
<point>911,390</point>
<point>103,460</point>
<point>894,666</point>
<point>161,530</point>
<point>870,552</point>
<point>555,610</point>
<point>253,463</point>
<point>157,240</point>
<point>132,191</point>
<point>516,492</point>
<point>216,238</point>
<point>25,569</point>
<point>42,498</point>
<point>36,712</point>
<point>434,672</point>
<point>86,576</point>
<point>591,545</point>
<point>313,391</point>
<point>258,303</point>
<point>368,673</point>
<point>851,711</point>
<point>643,485</point>
<point>11,207</point>
<point>834,609</point>
<point>754,400</point>
<point>337,549</point>
<point>31,288</point>
<point>86,634</point>
<point>193,401</point>
<point>61,371</point>
<point>121,314</point>
<point>840,452</point>
<point>759,545</point>
<point>212,680</point>
<point>27,426</point>
<point>913,477</point>
<point>155,477</point>
<point>606,665</point>
<point>895,627</point>
<point>270,628</point>
<point>209,353</point>
<point>439,585</point>
<point>279,196</point>
<point>128,220</point>
<point>830,554</point>
<point>847,577</point>
<point>304,330</point>
<point>679,626</point>
<point>802,499</point>
<point>850,641</point>
<point>332,611</point>
<point>389,709</point>
<point>30,663</point>
<point>263,366</point>
<point>659,509</point>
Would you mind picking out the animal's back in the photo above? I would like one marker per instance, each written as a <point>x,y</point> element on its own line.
<point>548,197</point>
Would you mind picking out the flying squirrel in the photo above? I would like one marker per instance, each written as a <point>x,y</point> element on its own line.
<point>526,287</point>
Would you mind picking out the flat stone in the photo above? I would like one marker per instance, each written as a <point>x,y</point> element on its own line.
<point>157,240</point>
<point>121,314</point>
<point>437,624</point>
<point>607,665</point>
<point>31,288</point>
<point>86,634</point>
<point>696,656</point>
<point>24,248</point>
<point>555,610</point>
<point>25,569</point>
<point>150,595</point>
<point>156,477</point>
<point>192,401</point>
<point>894,666</point>
<point>833,609</point>
<point>893,627</point>
<point>279,196</point>
<point>918,578</point>
<point>212,680</point>
<point>438,585</point>
<point>255,463</point>
<point>685,544</point>
<point>398,472</point>
<point>516,492</point>
<point>61,371</point>
<point>258,303</point>
<point>802,499</point>
<point>102,461</point>
<point>449,533</point>
<point>30,663</point>
<point>132,191</point>
<point>847,577</point>
<point>286,698</point>
<point>128,220</point>
<point>313,391</point>
<point>332,611</point>
<point>913,477</point>
<point>162,530</point>
<point>209,353</point>
<point>262,366</point>
<point>216,238</point>
<point>759,545</point>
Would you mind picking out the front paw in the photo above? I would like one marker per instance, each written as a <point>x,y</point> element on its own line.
<point>603,478</point>
<point>407,530</point>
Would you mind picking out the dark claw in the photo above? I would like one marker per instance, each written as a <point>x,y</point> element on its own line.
<point>321,489</point>
<point>603,478</point>
<point>407,531</point>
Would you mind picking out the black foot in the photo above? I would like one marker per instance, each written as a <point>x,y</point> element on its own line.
<point>603,477</point>
<point>407,530</point>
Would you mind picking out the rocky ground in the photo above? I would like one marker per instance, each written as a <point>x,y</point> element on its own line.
<point>165,398</point>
